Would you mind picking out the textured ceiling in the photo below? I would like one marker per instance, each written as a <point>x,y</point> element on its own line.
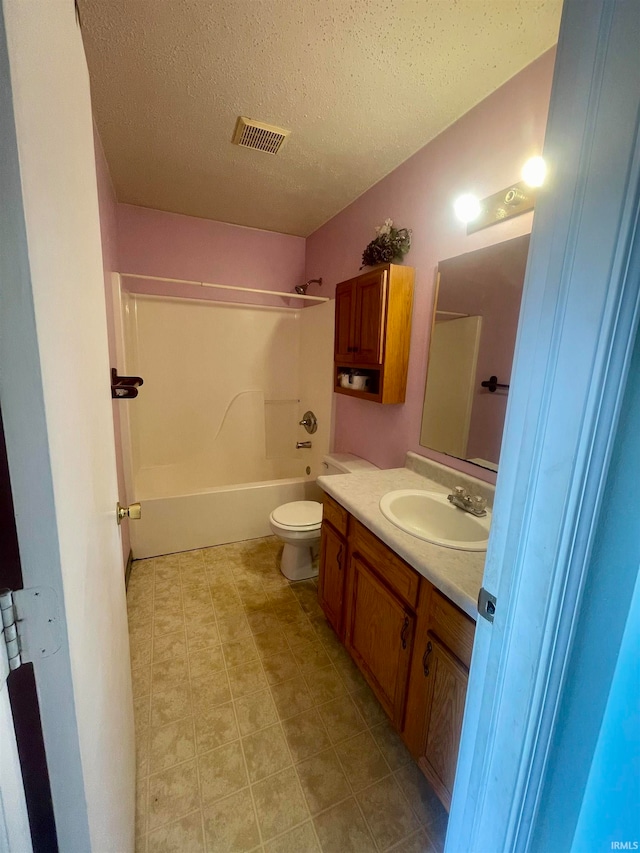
<point>361,85</point>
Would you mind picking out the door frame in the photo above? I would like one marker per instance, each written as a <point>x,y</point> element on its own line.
<point>578,325</point>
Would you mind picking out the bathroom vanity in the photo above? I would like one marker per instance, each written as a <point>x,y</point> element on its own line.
<point>405,610</point>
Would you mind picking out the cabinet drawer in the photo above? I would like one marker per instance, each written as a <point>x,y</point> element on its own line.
<point>335,514</point>
<point>400,577</point>
<point>453,627</point>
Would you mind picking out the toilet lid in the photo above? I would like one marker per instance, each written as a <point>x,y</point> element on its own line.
<point>299,514</point>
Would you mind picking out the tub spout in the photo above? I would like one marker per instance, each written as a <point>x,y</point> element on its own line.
<point>303,445</point>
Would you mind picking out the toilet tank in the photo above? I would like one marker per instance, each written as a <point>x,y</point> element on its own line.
<point>345,463</point>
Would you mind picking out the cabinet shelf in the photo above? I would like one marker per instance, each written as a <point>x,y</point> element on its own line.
<point>373,332</point>
<point>355,392</point>
<point>372,375</point>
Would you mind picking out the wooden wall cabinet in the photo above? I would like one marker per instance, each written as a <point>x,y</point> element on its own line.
<point>411,643</point>
<point>373,332</point>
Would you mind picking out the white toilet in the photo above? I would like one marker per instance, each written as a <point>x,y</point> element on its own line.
<point>298,523</point>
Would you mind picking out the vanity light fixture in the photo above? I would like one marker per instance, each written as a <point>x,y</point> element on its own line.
<point>534,172</point>
<point>511,201</point>
<point>467,207</point>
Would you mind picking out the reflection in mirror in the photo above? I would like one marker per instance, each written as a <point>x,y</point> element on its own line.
<point>472,343</point>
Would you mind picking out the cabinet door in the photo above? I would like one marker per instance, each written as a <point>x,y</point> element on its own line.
<point>379,637</point>
<point>369,323</point>
<point>331,579</point>
<point>446,688</point>
<point>345,317</point>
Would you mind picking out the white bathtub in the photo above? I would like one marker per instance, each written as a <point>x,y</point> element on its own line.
<point>209,444</point>
<point>213,517</point>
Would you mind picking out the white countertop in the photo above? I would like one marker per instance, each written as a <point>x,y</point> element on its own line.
<point>457,574</point>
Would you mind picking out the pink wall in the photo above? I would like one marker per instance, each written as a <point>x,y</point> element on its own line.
<point>152,242</point>
<point>108,232</point>
<point>481,153</point>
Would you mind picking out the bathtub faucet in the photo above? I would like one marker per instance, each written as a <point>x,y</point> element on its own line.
<point>303,445</point>
<point>309,422</point>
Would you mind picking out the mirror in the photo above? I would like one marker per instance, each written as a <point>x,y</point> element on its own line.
<point>472,342</point>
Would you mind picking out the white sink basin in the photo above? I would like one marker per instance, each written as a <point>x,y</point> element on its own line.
<point>430,516</point>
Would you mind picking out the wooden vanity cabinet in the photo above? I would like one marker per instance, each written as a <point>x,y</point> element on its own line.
<point>373,331</point>
<point>379,637</point>
<point>438,687</point>
<point>380,618</point>
<point>333,564</point>
<point>411,643</point>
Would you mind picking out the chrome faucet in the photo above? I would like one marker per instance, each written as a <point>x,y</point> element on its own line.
<point>309,422</point>
<point>475,504</point>
<point>303,445</point>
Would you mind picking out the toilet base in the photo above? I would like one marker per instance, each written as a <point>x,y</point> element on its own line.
<point>299,562</point>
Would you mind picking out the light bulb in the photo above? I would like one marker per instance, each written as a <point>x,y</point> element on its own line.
<point>534,172</point>
<point>467,207</point>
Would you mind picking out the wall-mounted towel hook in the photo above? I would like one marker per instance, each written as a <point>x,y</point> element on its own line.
<point>492,383</point>
<point>124,387</point>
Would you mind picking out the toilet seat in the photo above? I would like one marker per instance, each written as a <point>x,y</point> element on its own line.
<point>298,515</point>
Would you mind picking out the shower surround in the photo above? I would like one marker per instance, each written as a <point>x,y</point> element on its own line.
<point>210,442</point>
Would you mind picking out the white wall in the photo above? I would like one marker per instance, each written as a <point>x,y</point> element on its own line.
<point>220,392</point>
<point>63,470</point>
<point>224,389</point>
<point>316,379</point>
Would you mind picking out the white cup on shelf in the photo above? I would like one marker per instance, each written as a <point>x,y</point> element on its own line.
<point>359,382</point>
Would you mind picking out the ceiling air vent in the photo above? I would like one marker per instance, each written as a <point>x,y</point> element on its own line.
<point>258,135</point>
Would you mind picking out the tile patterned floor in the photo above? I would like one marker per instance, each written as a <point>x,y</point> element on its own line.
<point>254,729</point>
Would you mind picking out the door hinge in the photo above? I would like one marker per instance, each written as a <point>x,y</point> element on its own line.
<point>30,624</point>
<point>10,629</point>
<point>486,604</point>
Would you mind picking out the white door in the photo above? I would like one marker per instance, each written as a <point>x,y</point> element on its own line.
<point>56,405</point>
<point>14,823</point>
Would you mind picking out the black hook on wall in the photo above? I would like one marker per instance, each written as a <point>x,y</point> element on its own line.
<point>124,387</point>
<point>492,383</point>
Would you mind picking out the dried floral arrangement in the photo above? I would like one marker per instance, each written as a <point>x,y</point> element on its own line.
<point>391,244</point>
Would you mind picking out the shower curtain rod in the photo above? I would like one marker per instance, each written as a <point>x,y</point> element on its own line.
<point>226,287</point>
